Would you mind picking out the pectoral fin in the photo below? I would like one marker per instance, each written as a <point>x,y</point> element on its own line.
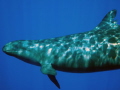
<point>51,72</point>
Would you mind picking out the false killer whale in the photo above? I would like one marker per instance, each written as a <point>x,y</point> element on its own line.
<point>91,51</point>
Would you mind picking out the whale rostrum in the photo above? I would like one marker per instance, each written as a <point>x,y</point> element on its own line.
<point>91,51</point>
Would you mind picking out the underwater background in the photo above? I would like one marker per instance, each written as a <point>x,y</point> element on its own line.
<point>42,19</point>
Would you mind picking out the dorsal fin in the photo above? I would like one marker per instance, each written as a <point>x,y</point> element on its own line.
<point>108,21</point>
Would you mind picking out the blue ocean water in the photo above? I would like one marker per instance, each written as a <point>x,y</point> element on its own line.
<point>42,19</point>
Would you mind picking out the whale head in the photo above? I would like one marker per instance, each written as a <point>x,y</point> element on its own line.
<point>15,48</point>
<point>21,49</point>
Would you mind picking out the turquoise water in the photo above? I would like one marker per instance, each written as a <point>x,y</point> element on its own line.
<point>42,19</point>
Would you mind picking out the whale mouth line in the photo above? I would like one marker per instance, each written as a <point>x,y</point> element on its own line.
<point>11,51</point>
<point>8,51</point>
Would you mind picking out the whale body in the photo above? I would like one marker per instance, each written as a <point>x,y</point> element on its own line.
<point>91,51</point>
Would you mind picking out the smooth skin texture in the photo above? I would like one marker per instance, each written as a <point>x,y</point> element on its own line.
<point>95,50</point>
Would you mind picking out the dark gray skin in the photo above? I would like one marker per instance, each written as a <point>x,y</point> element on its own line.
<point>95,50</point>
